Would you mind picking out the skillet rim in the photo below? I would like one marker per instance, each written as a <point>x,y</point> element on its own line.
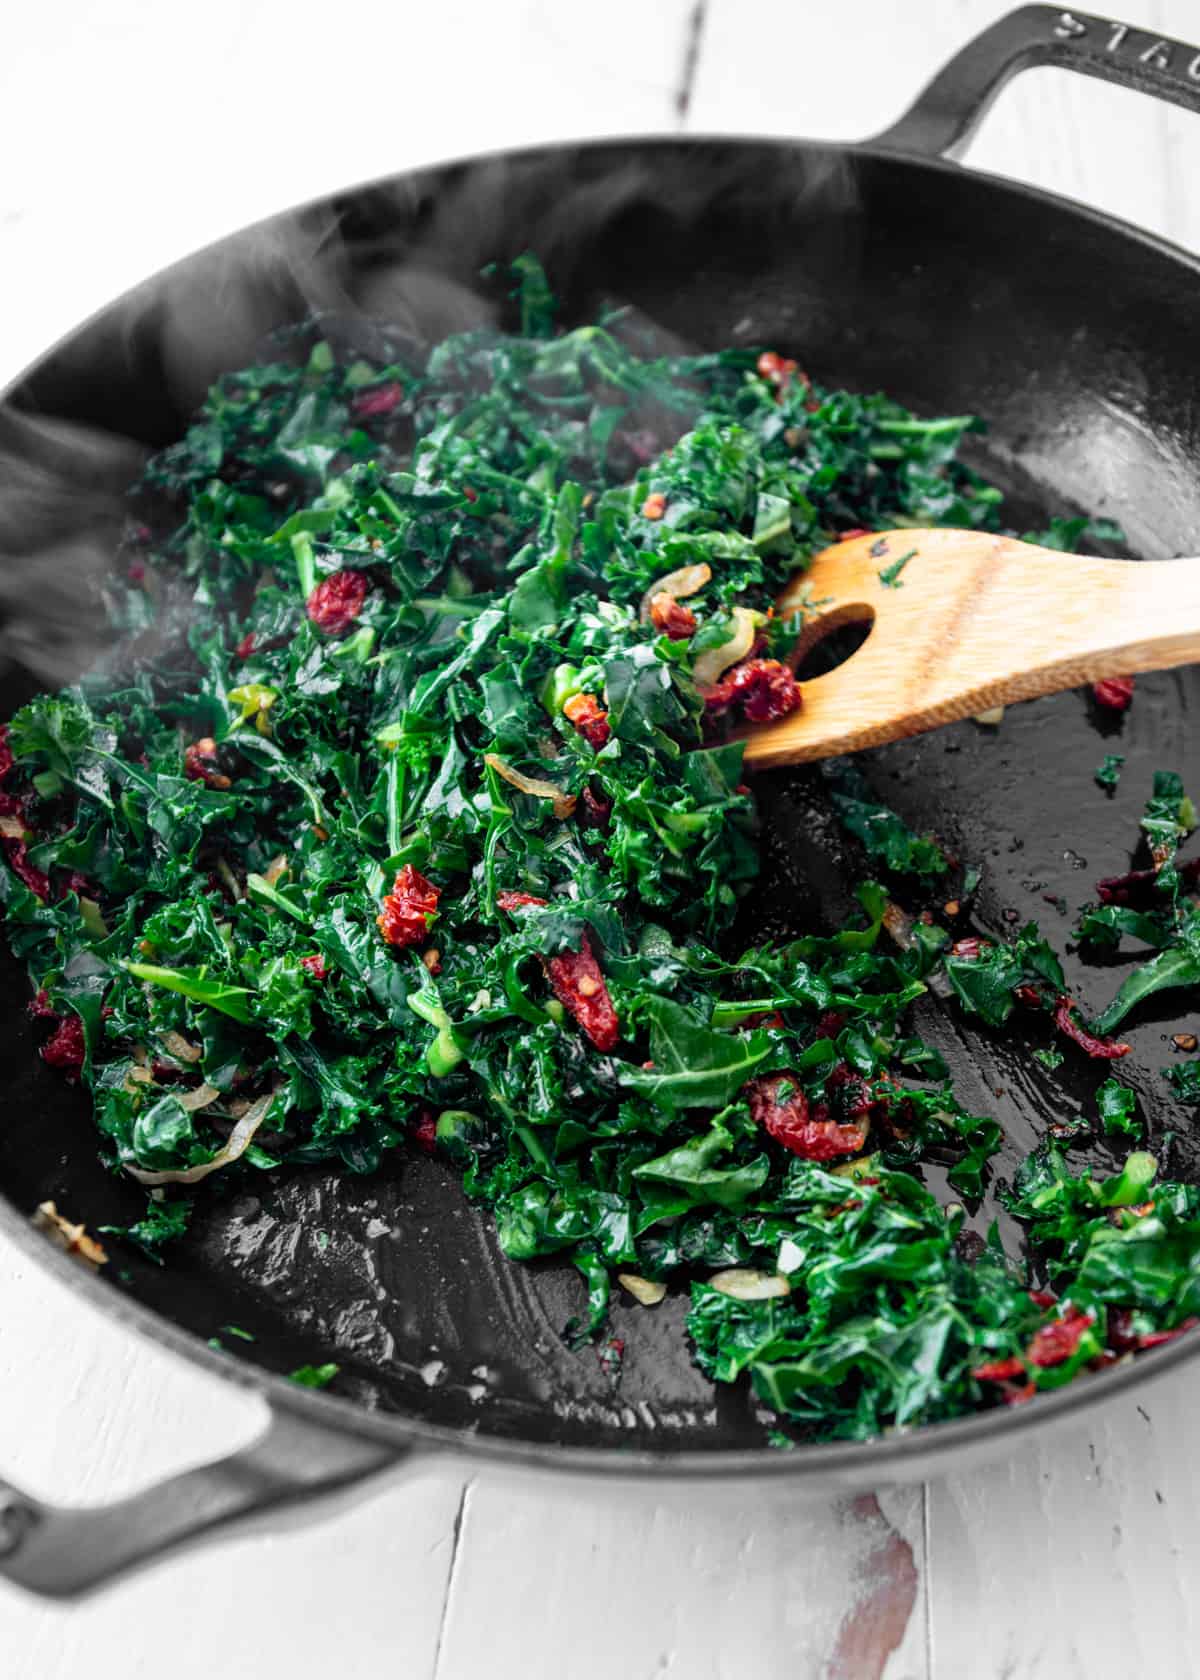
<point>908,1454</point>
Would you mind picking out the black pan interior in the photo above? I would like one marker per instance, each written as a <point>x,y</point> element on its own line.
<point>1075,340</point>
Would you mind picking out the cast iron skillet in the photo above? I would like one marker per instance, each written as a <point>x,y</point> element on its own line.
<point>881,265</point>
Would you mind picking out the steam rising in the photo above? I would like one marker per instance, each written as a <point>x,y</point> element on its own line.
<point>394,265</point>
<point>61,489</point>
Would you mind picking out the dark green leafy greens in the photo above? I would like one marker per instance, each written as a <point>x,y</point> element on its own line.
<point>1118,1108</point>
<point>313,1376</point>
<point>1185,1080</point>
<point>383,601</point>
<point>1152,905</point>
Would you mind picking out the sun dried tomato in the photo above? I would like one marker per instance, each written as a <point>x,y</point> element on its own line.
<point>670,618</point>
<point>967,949</point>
<point>780,1107</point>
<point>1103,1049</point>
<point>200,764</point>
<point>654,506</point>
<point>378,402</point>
<point>509,900</point>
<point>1056,1342</point>
<point>589,718</point>
<point>1120,1333</point>
<point>1000,1370</point>
<point>829,1024</point>
<point>17,853</point>
<point>407,908</point>
<point>611,1354</point>
<point>1138,889</point>
<point>766,1018</point>
<point>1016,1396</point>
<point>1156,1338</point>
<point>337,601</point>
<point>6,756</point>
<point>579,986</point>
<point>245,647</point>
<point>1113,693</point>
<point>969,1246</point>
<point>422,1132</point>
<point>778,371</point>
<point>763,688</point>
<point>315,966</point>
<point>165,1073</point>
<point>65,1046</point>
<point>596,809</point>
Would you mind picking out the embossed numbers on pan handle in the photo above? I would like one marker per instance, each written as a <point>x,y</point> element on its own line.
<point>942,120</point>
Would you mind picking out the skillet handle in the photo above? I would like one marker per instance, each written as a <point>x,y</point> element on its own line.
<point>944,117</point>
<point>64,1551</point>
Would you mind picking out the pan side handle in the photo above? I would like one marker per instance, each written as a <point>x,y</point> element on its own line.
<point>64,1551</point>
<point>944,117</point>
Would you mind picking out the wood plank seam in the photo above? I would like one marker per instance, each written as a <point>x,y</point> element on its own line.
<point>693,46</point>
<point>456,1542</point>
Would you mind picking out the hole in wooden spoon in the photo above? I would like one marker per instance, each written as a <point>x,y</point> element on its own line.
<point>832,640</point>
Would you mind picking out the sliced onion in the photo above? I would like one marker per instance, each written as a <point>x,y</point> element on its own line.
<point>863,1166</point>
<point>199,1098</point>
<point>73,1238</point>
<point>230,879</point>
<point>92,917</point>
<point>790,1257</point>
<point>238,1142</point>
<point>746,1285</point>
<point>713,663</point>
<point>176,1045</point>
<point>643,1290</point>
<point>686,581</point>
<point>277,867</point>
<point>564,803</point>
<point>899,924</point>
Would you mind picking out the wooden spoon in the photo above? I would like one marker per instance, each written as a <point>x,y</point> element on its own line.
<point>962,621</point>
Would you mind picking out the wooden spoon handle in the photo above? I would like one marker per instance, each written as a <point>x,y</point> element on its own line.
<point>970,621</point>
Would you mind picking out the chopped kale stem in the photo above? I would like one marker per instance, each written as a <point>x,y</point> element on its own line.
<point>890,575</point>
<point>408,818</point>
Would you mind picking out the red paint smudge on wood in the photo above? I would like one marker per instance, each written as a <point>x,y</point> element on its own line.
<point>887,1578</point>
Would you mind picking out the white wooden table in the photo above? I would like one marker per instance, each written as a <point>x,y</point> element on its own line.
<point>131,132</point>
